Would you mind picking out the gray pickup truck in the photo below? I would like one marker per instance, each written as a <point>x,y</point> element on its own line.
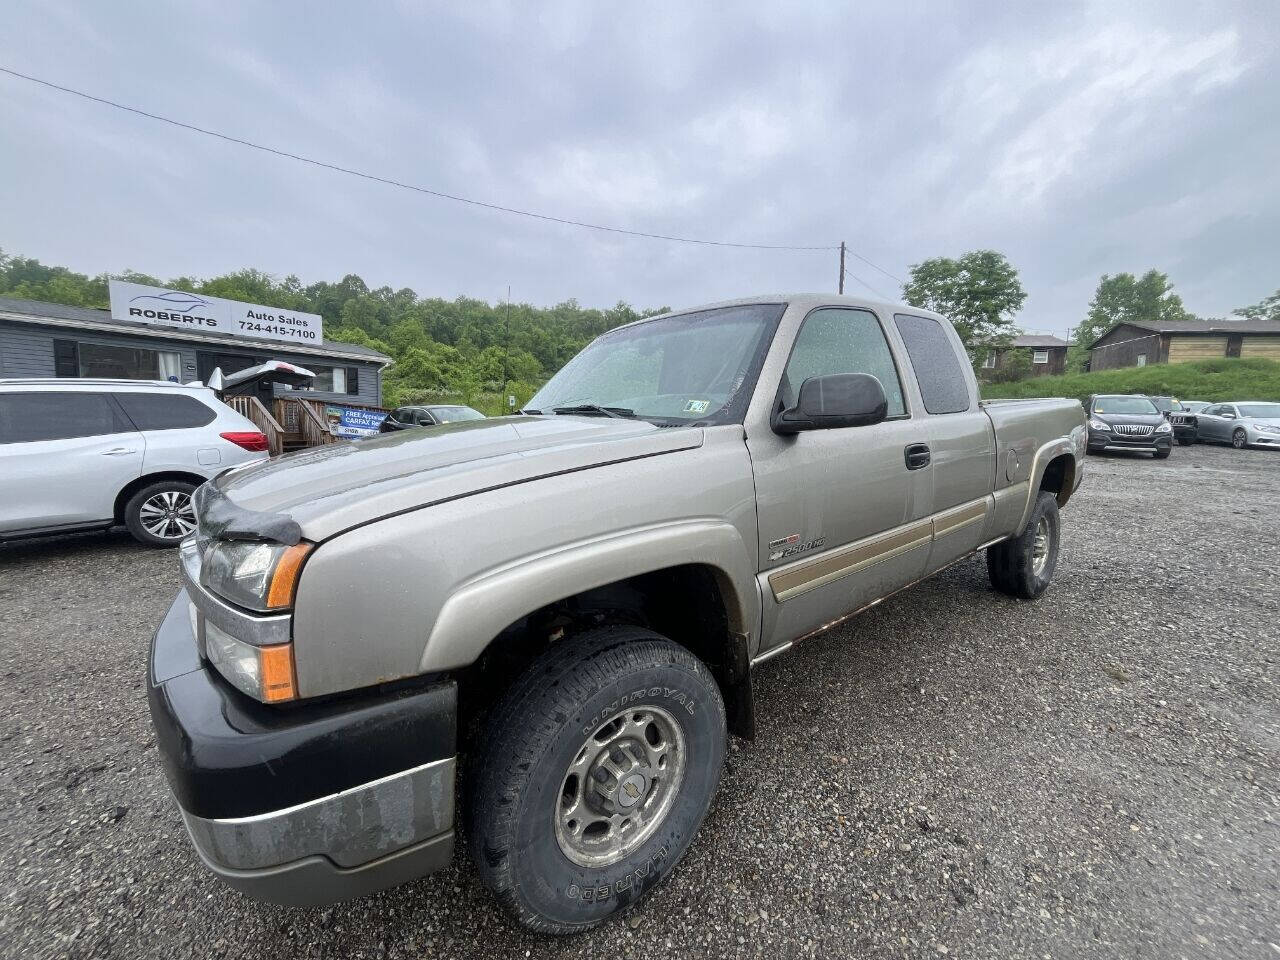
<point>554,616</point>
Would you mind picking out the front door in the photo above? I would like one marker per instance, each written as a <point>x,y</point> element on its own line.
<point>1212,423</point>
<point>843,517</point>
<point>63,458</point>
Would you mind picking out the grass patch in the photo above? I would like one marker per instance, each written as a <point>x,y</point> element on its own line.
<point>1215,380</point>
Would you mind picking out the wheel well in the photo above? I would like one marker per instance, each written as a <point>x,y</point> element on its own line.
<point>133,486</point>
<point>684,603</point>
<point>1059,477</point>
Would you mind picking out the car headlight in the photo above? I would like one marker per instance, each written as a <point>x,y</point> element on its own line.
<point>264,673</point>
<point>257,576</point>
<point>1165,427</point>
<point>1098,425</point>
<point>1265,428</point>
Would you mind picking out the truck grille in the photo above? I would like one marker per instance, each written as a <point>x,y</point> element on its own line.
<point>1133,429</point>
<point>1180,419</point>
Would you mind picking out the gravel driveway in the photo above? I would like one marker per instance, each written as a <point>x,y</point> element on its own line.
<point>953,773</point>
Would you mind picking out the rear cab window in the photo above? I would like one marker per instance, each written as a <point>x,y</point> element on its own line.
<point>168,411</point>
<point>943,385</point>
<point>52,415</point>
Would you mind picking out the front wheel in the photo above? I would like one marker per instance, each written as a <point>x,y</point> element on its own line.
<point>1162,453</point>
<point>161,514</point>
<point>1185,441</point>
<point>1239,439</point>
<point>598,768</point>
<point>1023,565</point>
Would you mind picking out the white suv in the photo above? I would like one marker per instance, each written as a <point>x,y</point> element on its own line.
<point>89,454</point>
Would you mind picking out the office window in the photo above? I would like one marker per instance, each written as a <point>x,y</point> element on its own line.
<point>128,363</point>
<point>1040,356</point>
<point>334,379</point>
<point>989,361</point>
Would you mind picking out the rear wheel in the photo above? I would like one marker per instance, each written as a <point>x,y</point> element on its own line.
<point>598,768</point>
<point>161,514</point>
<point>1239,439</point>
<point>1023,566</point>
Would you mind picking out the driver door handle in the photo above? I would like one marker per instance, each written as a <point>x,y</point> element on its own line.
<point>118,451</point>
<point>916,456</point>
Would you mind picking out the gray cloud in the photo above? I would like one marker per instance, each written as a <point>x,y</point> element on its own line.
<point>1082,139</point>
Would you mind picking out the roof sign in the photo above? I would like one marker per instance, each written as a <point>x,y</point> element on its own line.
<point>160,306</point>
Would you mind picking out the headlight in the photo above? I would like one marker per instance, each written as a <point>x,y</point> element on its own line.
<point>1165,427</point>
<point>258,576</point>
<point>1265,428</point>
<point>1098,425</point>
<point>264,673</point>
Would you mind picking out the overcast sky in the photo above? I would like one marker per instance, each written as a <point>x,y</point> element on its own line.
<point>1077,139</point>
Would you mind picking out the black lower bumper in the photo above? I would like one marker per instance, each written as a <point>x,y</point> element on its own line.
<point>352,794</point>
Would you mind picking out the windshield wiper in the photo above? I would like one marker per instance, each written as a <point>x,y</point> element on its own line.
<point>618,413</point>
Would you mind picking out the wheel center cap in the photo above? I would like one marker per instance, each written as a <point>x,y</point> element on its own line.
<point>631,791</point>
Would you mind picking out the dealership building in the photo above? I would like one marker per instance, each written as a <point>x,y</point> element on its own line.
<point>182,343</point>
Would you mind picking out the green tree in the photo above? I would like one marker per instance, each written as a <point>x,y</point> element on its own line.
<point>1265,309</point>
<point>979,293</point>
<point>1124,298</point>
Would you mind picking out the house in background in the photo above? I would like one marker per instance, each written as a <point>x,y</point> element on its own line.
<point>1048,354</point>
<point>1137,344</point>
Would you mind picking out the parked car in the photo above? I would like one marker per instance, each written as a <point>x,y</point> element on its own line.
<point>581,592</point>
<point>1128,422</point>
<point>427,416</point>
<point>1241,424</point>
<point>1182,421</point>
<point>90,454</point>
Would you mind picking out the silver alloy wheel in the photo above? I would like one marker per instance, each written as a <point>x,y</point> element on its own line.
<point>1040,550</point>
<point>1239,440</point>
<point>620,786</point>
<point>168,515</point>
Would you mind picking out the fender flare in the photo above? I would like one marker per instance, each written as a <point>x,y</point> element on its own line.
<point>482,607</point>
<point>1044,455</point>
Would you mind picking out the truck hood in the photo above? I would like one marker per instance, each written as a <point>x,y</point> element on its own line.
<point>328,489</point>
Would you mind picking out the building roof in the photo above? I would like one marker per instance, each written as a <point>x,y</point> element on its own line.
<point>1198,326</point>
<point>100,320</point>
<point>1039,340</point>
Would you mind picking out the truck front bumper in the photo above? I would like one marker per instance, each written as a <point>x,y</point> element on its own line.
<point>307,804</point>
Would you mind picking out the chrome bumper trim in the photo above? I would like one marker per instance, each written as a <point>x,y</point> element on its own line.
<point>1129,446</point>
<point>349,828</point>
<point>770,654</point>
<point>262,631</point>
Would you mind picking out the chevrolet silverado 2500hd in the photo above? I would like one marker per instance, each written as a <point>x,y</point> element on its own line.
<point>559,611</point>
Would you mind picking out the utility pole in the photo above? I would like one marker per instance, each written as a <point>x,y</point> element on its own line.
<point>842,266</point>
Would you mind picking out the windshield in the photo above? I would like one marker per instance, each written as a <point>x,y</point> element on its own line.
<point>690,367</point>
<point>453,414</point>
<point>1263,411</point>
<point>1165,404</point>
<point>1133,405</point>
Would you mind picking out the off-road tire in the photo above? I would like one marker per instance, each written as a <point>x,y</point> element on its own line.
<point>1011,563</point>
<point>136,523</point>
<point>1185,441</point>
<point>534,734</point>
<point>1162,453</point>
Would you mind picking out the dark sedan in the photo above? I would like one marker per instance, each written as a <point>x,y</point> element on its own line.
<point>402,418</point>
<point>1118,422</point>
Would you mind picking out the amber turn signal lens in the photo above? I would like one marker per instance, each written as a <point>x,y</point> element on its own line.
<point>284,581</point>
<point>276,664</point>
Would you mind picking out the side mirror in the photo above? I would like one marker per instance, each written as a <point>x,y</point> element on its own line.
<point>836,400</point>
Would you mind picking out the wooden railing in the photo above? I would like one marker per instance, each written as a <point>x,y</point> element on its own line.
<point>255,410</point>
<point>312,423</point>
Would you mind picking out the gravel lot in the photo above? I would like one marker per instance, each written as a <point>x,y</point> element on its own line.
<point>953,773</point>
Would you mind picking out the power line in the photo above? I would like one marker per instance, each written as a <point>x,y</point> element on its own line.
<point>409,186</point>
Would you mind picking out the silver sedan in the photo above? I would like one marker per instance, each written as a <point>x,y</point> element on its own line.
<point>1240,424</point>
